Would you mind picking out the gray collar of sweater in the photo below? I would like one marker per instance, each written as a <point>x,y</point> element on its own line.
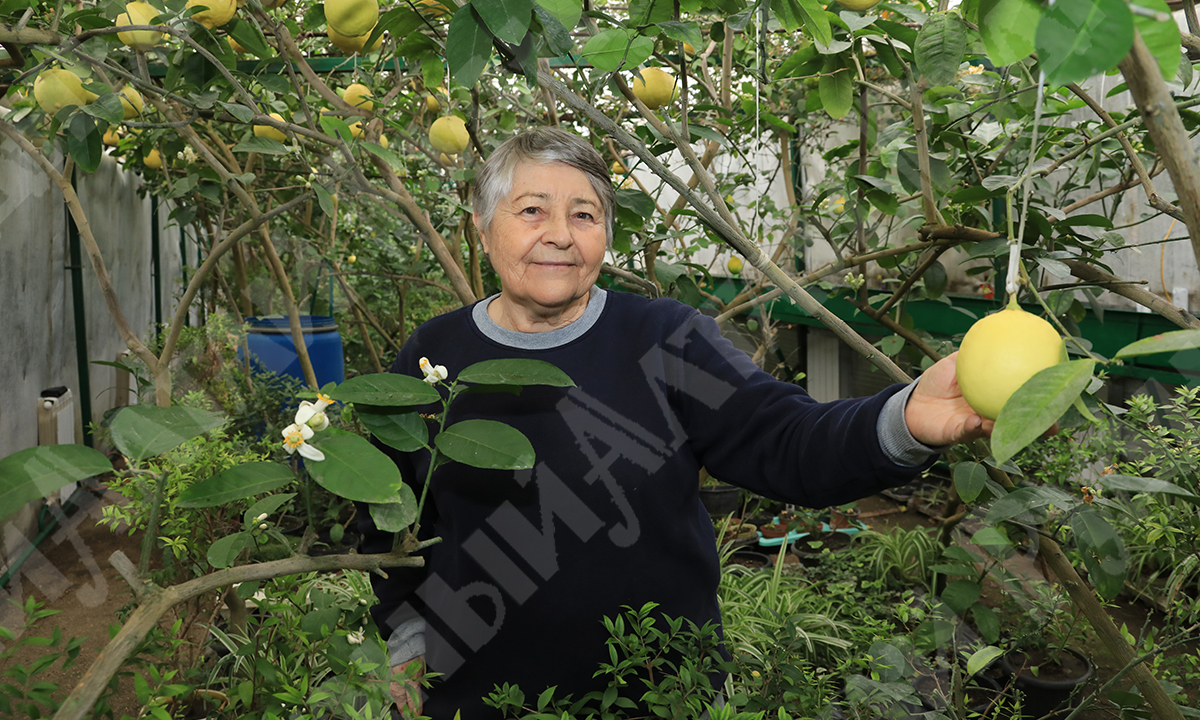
<point>539,340</point>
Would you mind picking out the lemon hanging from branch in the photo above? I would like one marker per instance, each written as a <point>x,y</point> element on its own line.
<point>449,135</point>
<point>655,88</point>
<point>352,18</point>
<point>1002,351</point>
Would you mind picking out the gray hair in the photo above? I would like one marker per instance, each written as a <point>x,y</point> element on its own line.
<point>542,146</point>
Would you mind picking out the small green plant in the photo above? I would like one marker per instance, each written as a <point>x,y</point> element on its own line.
<point>1042,622</point>
<point>22,693</point>
<point>900,557</point>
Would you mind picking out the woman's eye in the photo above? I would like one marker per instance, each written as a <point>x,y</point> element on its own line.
<point>533,210</point>
<point>584,216</point>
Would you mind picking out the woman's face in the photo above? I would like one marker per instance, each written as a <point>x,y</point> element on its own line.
<point>547,238</point>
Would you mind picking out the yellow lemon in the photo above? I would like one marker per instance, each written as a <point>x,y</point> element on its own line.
<point>139,13</point>
<point>235,46</point>
<point>448,134</point>
<point>655,88</point>
<point>111,138</point>
<point>269,132</point>
<point>131,101</point>
<point>153,160</point>
<point>445,159</point>
<point>1002,351</point>
<point>215,13</point>
<point>689,49</point>
<point>858,5</point>
<point>359,96</point>
<point>352,17</point>
<point>734,266</point>
<point>618,168</point>
<point>351,259</point>
<point>56,88</point>
<point>352,43</point>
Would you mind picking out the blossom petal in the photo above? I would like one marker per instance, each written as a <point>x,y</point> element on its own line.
<point>318,422</point>
<point>308,452</point>
<point>306,411</point>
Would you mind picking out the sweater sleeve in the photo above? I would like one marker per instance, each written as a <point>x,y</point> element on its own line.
<point>751,429</point>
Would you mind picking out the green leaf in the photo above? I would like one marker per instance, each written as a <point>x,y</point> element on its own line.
<point>324,199</point>
<point>1142,485</point>
<point>389,389</point>
<point>1077,39</point>
<point>507,19</point>
<point>1164,342</point>
<point>267,506</point>
<point>1027,499</point>
<point>815,21</point>
<point>241,112</point>
<point>788,13</point>
<point>83,142</point>
<point>981,658</point>
<point>515,371</point>
<point>261,145</point>
<point>236,483</point>
<point>1037,405</point>
<point>969,480</point>
<point>384,154</point>
<point>1161,36</point>
<point>987,622</point>
<point>394,517</point>
<point>355,469</point>
<point>486,444</point>
<point>142,431</point>
<point>567,12</point>
<point>1103,552</point>
<point>636,200</point>
<point>1008,28</point>
<point>617,48</point>
<point>405,431</point>
<point>836,86</point>
<point>683,31</point>
<point>223,552</point>
<point>468,46</point>
<point>991,537</point>
<point>248,36</point>
<point>107,108</point>
<point>940,45</point>
<point>960,595</point>
<point>36,472</point>
<point>336,127</point>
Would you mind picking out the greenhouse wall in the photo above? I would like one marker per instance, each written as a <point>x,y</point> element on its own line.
<point>36,298</point>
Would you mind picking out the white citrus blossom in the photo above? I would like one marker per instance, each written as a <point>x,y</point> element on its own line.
<point>433,373</point>
<point>313,414</point>
<point>293,441</point>
<point>356,637</point>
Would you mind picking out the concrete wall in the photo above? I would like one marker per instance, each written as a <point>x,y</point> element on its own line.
<point>37,322</point>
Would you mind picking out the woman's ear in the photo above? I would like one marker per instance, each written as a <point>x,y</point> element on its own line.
<point>483,237</point>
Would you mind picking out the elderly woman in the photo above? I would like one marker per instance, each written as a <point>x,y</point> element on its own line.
<point>531,561</point>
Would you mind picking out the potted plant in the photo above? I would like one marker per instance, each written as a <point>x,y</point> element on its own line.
<point>1043,662</point>
<point>718,498</point>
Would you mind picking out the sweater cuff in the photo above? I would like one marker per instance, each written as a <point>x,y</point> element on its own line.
<point>407,641</point>
<point>895,439</point>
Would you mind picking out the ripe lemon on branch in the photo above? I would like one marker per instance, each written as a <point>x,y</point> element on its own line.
<point>352,18</point>
<point>1002,351</point>
<point>215,13</point>
<point>139,13</point>
<point>858,5</point>
<point>448,134</point>
<point>655,88</point>
<point>56,88</point>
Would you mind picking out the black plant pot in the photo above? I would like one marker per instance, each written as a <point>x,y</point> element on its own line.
<point>1046,693</point>
<point>720,500</point>
<point>810,555</point>
<point>750,559</point>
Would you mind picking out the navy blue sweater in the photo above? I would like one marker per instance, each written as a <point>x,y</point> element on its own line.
<point>610,516</point>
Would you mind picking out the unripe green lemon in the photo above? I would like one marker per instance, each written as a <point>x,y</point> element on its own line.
<point>1002,351</point>
<point>734,266</point>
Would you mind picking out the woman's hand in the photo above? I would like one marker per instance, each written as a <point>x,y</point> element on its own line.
<point>938,414</point>
<point>406,686</point>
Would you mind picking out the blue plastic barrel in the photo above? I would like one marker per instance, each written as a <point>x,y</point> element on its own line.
<point>270,341</point>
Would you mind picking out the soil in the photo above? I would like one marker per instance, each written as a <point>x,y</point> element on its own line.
<point>69,573</point>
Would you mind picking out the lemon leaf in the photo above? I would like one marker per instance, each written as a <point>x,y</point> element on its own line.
<point>1037,405</point>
